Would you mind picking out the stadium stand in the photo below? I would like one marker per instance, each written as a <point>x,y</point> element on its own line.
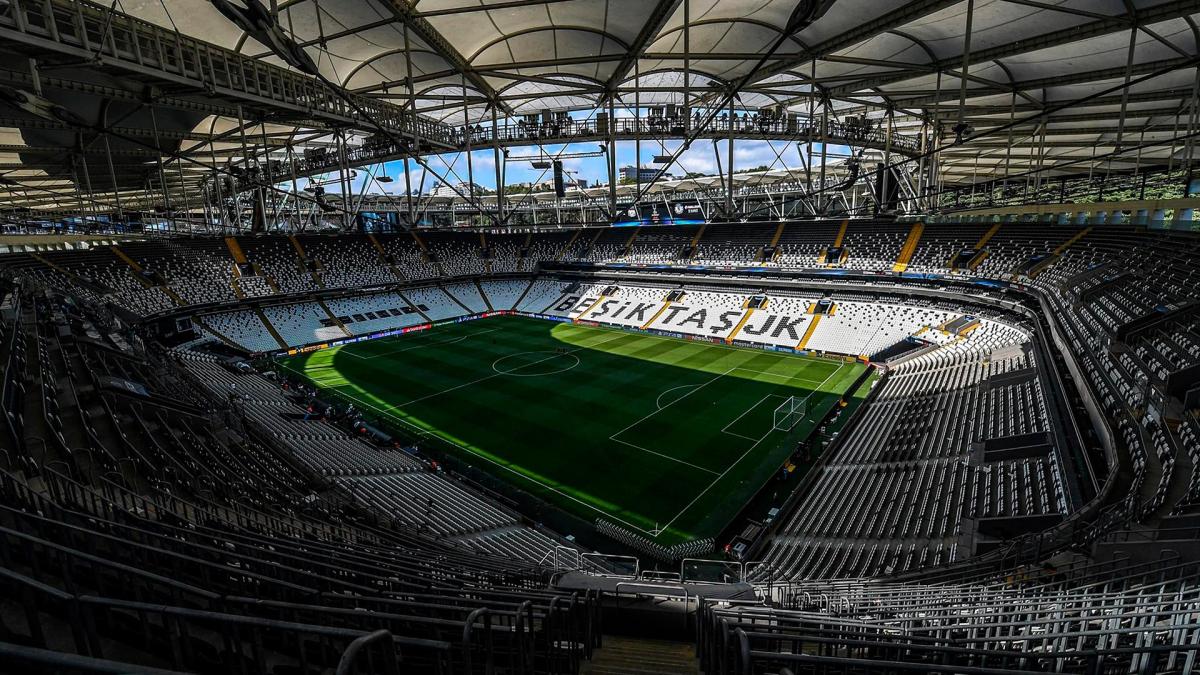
<point>301,323</point>
<point>565,337</point>
<point>273,261</point>
<point>467,296</point>
<point>805,246</point>
<point>542,294</point>
<point>1036,620</point>
<point>321,446</point>
<point>365,315</point>
<point>503,295</point>
<point>166,484</point>
<point>433,303</point>
<point>348,262</point>
<point>246,329</point>
<point>197,271</point>
<point>726,245</point>
<point>458,255</point>
<point>917,434</point>
<point>504,253</point>
<point>414,264</point>
<point>919,482</point>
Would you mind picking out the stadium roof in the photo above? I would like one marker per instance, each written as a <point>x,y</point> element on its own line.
<point>1030,84</point>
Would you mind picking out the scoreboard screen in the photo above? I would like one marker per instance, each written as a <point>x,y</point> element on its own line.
<point>661,213</point>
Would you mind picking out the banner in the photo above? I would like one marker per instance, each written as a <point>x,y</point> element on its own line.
<point>294,351</point>
<point>661,213</point>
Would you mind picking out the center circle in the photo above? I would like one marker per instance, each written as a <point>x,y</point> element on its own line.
<point>535,364</point>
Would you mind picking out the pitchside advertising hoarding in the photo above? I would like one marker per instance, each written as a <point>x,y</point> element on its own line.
<point>661,213</point>
<point>386,333</point>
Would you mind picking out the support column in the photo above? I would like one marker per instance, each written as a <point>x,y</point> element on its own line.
<point>347,216</point>
<point>497,158</point>
<point>729,170</point>
<point>637,133</point>
<point>824,145</point>
<point>412,111</point>
<point>470,134</point>
<point>687,66</point>
<point>612,160</point>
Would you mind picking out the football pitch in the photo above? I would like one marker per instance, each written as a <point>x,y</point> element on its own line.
<point>668,438</point>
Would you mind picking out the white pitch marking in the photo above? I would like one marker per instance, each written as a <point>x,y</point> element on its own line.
<point>423,345</point>
<point>673,459</point>
<point>746,412</point>
<point>428,434</point>
<point>619,333</point>
<point>738,460</point>
<point>697,388</point>
<point>658,401</point>
<point>494,375</point>
<point>789,378</point>
<point>514,372</point>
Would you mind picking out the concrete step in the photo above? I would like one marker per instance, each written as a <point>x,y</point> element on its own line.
<point>633,656</point>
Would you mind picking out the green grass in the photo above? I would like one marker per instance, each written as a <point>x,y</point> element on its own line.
<point>667,437</point>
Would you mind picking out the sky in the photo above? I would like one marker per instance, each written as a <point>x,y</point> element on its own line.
<point>704,156</point>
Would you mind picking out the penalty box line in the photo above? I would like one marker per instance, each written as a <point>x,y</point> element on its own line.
<point>739,459</point>
<point>431,435</point>
<point>425,433</point>
<point>695,388</point>
<point>655,412</point>
<point>725,429</point>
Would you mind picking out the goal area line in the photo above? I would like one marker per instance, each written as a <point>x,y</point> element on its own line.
<point>399,415</point>
<point>425,433</point>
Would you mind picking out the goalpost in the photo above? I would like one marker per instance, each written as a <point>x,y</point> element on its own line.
<point>790,412</point>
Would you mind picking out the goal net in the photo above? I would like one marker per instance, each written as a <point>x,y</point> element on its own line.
<point>790,412</point>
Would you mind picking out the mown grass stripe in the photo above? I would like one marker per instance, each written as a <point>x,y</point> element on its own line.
<point>552,434</point>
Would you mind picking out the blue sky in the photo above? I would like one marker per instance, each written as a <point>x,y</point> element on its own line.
<point>700,158</point>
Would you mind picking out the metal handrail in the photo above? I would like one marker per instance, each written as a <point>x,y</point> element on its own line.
<point>468,630</point>
<point>391,664</point>
<point>738,565</point>
<point>12,654</point>
<point>743,651</point>
<point>142,47</point>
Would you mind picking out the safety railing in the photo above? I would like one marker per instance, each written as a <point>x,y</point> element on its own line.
<point>88,30</point>
<point>571,130</point>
